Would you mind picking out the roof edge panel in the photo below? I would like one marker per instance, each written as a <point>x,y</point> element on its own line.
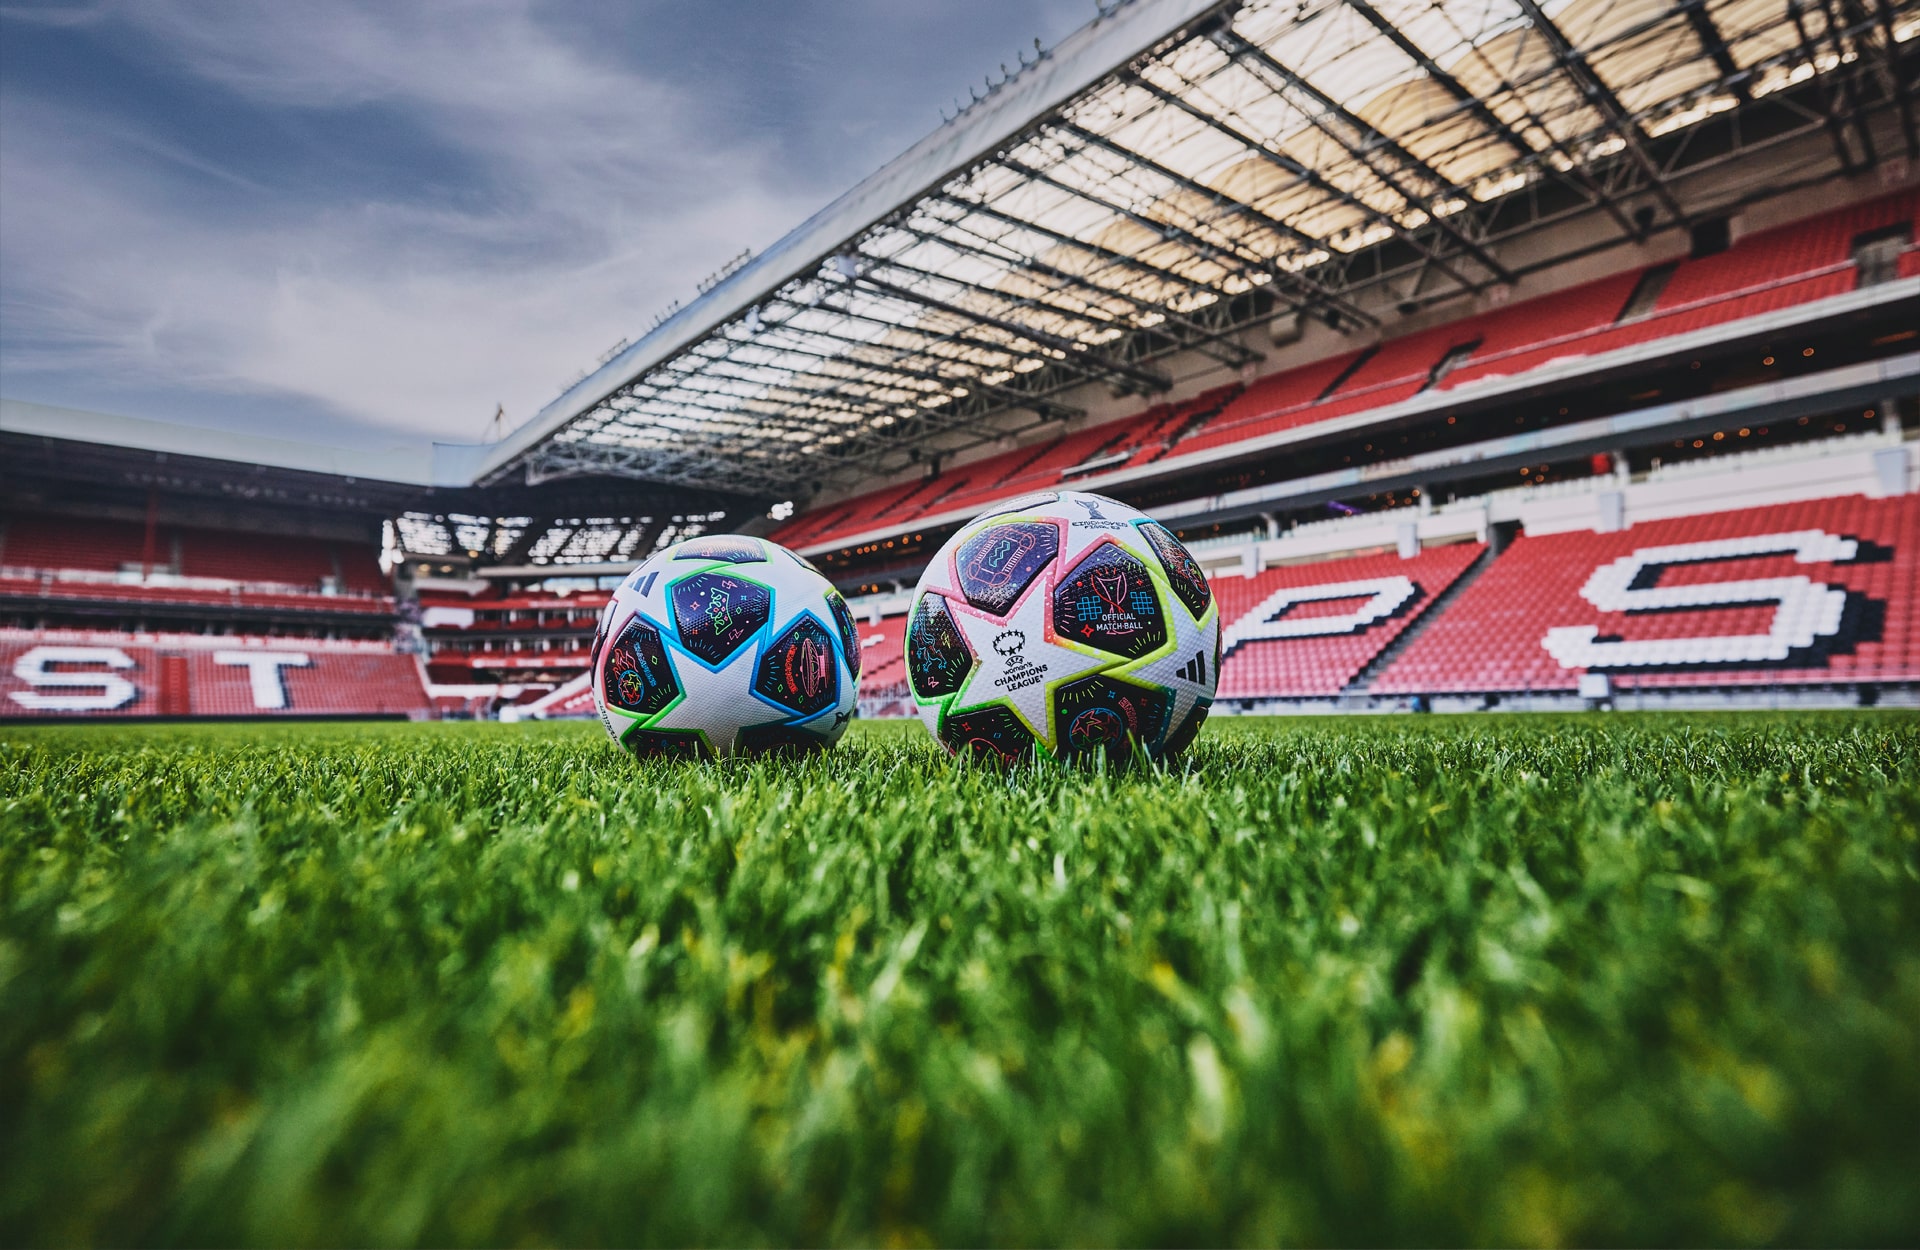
<point>1079,61</point>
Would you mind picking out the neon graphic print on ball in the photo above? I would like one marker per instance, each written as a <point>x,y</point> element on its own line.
<point>722,646</point>
<point>1066,625</point>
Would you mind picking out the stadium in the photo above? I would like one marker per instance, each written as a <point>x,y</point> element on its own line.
<point>1552,369</point>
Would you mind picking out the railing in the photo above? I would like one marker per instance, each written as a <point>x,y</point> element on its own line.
<point>175,581</point>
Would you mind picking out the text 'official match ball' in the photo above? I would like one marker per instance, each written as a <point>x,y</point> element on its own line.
<point>725,645</point>
<point>1063,624</point>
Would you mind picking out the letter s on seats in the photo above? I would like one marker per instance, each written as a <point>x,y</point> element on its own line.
<point>1807,609</point>
<point>104,690</point>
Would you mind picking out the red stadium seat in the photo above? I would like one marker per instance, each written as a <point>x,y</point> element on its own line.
<point>44,542</point>
<point>1498,636</point>
<point>882,654</point>
<point>76,673</point>
<point>1321,660</point>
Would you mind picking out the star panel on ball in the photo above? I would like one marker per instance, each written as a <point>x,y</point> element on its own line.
<point>725,645</point>
<point>1063,625</point>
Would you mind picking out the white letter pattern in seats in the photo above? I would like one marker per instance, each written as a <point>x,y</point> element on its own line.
<point>1385,597</point>
<point>109,690</point>
<point>263,670</point>
<point>1807,609</point>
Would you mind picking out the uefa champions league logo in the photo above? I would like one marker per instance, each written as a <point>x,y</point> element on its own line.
<point>1021,672</point>
<point>1093,509</point>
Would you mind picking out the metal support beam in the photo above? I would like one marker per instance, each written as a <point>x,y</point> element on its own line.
<point>1902,94</point>
<point>1000,349</point>
<point>1836,128</point>
<point>972,382</point>
<point>1236,357</point>
<point>1248,54</point>
<point>1707,31</point>
<point>1146,269</point>
<point>1307,291</point>
<point>1311,177</point>
<point>1146,380</point>
<point>1478,110</point>
<point>1230,259</point>
<point>1573,63</point>
<point>1848,89</point>
<point>941,382</point>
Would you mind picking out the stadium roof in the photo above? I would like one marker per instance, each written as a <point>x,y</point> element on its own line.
<point>419,464</point>
<point>1180,169</point>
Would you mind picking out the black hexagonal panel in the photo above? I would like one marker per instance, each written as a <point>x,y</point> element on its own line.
<point>664,744</point>
<point>780,740</point>
<point>733,550</point>
<point>799,670</point>
<point>637,677</point>
<point>1097,714</point>
<point>937,657</point>
<point>715,613</point>
<point>991,734</point>
<point>1188,580</point>
<point>1109,602</point>
<point>849,632</point>
<point>997,564</point>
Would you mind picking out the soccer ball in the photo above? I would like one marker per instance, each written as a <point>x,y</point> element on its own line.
<point>1063,624</point>
<point>725,645</point>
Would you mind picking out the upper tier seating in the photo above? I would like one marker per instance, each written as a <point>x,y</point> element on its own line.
<point>1495,637</point>
<point>105,546</point>
<point>1770,270</point>
<point>1276,402</point>
<point>1139,439</point>
<point>269,558</point>
<point>118,674</point>
<point>1372,607</point>
<point>1773,269</point>
<point>44,542</point>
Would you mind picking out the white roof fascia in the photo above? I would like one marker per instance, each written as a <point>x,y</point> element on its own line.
<point>1081,60</point>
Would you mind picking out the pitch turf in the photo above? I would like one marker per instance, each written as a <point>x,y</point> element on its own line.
<point>1534,980</point>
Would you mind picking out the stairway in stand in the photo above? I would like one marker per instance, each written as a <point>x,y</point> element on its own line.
<point>1357,691</point>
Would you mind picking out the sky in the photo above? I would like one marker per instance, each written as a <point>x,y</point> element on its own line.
<point>372,223</point>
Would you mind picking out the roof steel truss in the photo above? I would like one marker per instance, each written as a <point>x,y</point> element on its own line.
<point>1273,156</point>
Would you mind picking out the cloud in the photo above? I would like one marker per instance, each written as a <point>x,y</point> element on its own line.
<point>307,219</point>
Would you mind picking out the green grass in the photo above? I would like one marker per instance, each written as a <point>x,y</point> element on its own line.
<point>1528,979</point>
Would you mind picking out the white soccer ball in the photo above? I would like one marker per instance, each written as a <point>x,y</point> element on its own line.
<point>1067,625</point>
<point>725,645</point>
